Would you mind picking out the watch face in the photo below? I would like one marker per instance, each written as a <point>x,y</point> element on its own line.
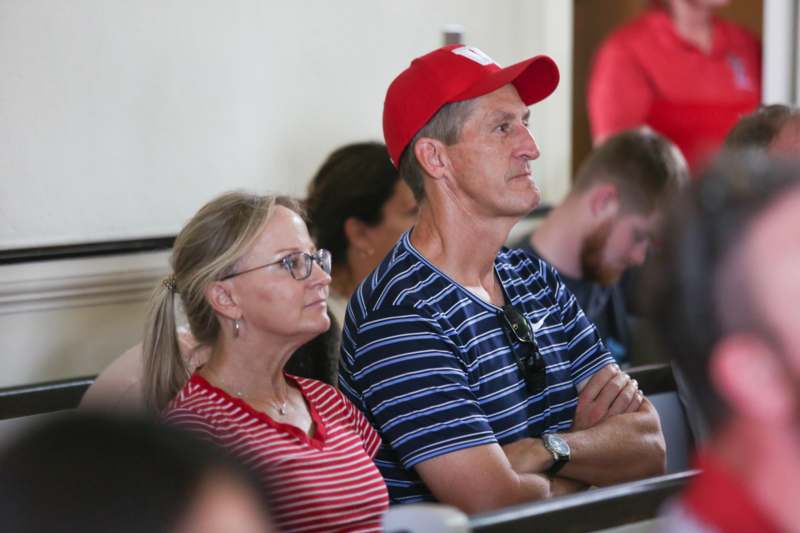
<point>558,445</point>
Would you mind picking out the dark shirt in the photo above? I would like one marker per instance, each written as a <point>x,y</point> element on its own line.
<point>430,365</point>
<point>604,305</point>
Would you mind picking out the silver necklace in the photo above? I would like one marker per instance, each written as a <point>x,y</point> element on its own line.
<point>282,408</point>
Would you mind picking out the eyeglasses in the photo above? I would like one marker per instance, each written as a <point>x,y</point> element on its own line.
<point>298,264</point>
<point>531,365</point>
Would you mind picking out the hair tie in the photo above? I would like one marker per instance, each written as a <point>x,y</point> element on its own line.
<point>169,283</point>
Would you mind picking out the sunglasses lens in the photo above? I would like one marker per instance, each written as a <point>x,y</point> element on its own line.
<point>535,381</point>
<point>518,323</point>
<point>535,375</point>
<point>531,365</point>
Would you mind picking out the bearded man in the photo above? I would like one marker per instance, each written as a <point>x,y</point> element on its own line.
<point>606,224</point>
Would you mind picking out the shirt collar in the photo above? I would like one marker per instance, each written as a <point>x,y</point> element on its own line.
<point>717,498</point>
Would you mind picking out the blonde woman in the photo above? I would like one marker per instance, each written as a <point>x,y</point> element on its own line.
<point>359,207</point>
<point>254,289</point>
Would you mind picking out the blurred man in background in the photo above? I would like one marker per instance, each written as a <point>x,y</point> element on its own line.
<point>606,224</point>
<point>774,129</point>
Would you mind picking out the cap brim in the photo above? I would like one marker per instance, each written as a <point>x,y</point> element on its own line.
<point>535,79</point>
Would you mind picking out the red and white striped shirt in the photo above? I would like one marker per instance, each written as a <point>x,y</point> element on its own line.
<point>326,482</point>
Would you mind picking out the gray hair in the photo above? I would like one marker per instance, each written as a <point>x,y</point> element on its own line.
<point>445,126</point>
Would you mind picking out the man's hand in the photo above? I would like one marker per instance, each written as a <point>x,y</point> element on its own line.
<point>607,393</point>
<point>620,448</point>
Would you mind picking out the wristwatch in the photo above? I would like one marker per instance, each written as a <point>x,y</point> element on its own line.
<point>560,450</point>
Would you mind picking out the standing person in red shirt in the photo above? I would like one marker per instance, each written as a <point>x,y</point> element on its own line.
<point>254,289</point>
<point>679,69</point>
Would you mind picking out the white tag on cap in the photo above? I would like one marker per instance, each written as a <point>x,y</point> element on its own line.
<point>473,54</point>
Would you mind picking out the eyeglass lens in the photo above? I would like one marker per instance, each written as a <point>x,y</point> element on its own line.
<point>300,264</point>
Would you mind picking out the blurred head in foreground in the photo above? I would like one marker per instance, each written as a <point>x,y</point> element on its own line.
<point>725,298</point>
<point>94,473</point>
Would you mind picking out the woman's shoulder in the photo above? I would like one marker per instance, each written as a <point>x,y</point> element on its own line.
<point>200,409</point>
<point>197,399</point>
<point>319,392</point>
<point>313,387</point>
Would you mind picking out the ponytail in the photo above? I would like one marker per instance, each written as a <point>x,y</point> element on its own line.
<point>165,371</point>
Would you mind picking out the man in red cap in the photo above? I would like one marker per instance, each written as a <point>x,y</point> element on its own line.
<point>486,381</point>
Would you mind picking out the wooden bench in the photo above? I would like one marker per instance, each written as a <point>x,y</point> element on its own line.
<point>40,398</point>
<point>618,505</point>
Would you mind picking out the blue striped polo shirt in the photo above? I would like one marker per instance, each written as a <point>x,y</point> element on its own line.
<point>430,364</point>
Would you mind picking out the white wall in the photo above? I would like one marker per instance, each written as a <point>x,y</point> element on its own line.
<point>72,317</point>
<point>781,75</point>
<point>118,118</point>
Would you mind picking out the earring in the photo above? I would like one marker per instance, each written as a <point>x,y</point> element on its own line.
<point>236,327</point>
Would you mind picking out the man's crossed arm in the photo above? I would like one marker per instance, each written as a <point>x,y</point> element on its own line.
<point>616,436</point>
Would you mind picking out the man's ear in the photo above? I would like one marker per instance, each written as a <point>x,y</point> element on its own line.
<point>431,156</point>
<point>604,200</point>
<point>749,377</point>
<point>219,295</point>
<point>357,233</point>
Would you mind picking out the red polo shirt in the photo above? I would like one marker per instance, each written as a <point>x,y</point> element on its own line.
<point>717,500</point>
<point>645,73</point>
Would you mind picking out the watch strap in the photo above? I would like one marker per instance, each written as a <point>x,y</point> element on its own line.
<point>557,466</point>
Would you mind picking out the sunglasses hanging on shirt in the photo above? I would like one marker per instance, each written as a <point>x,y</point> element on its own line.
<point>530,362</point>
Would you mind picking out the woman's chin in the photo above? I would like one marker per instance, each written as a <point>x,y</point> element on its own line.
<point>325,324</point>
<point>320,324</point>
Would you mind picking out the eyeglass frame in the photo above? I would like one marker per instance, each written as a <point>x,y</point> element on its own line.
<point>533,371</point>
<point>310,259</point>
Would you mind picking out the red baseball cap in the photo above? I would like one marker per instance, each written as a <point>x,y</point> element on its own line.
<point>450,74</point>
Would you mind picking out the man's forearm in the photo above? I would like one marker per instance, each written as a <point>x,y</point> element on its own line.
<point>529,457</point>
<point>561,486</point>
<point>480,479</point>
<point>621,448</point>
